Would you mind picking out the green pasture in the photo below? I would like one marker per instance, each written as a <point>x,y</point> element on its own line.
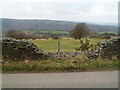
<point>108,32</point>
<point>67,44</point>
<point>47,31</point>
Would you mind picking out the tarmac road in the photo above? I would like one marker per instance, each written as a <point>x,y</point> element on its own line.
<point>100,79</point>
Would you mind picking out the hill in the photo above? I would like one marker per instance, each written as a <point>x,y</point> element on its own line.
<point>38,24</point>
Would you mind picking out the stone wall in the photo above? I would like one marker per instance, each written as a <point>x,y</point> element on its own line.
<point>20,50</point>
<point>108,49</point>
<point>64,54</point>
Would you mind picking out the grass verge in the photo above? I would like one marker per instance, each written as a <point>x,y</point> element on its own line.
<point>56,65</point>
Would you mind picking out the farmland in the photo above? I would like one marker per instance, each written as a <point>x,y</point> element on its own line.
<point>56,63</point>
<point>59,32</point>
<point>67,44</point>
<point>47,31</point>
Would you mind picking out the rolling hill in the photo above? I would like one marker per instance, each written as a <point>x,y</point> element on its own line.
<point>38,24</point>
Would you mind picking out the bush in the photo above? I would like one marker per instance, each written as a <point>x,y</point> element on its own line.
<point>45,36</point>
<point>107,37</point>
<point>16,34</point>
<point>55,36</point>
<point>32,36</point>
<point>20,35</point>
<point>85,45</point>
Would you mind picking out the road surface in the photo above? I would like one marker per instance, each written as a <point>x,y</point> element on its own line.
<point>104,79</point>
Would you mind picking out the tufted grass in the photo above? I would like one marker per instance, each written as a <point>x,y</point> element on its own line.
<point>67,44</point>
<point>58,65</point>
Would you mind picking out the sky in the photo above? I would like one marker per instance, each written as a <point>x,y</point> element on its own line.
<point>93,11</point>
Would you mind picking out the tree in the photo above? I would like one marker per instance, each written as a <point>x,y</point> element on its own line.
<point>80,30</point>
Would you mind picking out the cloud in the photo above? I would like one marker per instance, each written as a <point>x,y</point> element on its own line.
<point>72,10</point>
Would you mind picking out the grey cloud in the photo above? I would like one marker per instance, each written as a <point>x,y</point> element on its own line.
<point>76,10</point>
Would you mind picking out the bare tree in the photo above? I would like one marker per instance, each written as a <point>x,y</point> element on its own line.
<point>80,30</point>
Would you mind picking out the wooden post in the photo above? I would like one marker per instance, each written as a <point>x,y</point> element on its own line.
<point>58,46</point>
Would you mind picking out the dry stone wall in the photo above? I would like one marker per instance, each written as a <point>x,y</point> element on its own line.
<point>20,50</point>
<point>64,54</point>
<point>108,49</point>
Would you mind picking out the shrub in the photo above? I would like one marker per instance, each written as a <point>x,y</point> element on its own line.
<point>107,37</point>
<point>85,45</point>
<point>16,34</point>
<point>45,36</point>
<point>55,36</point>
<point>20,35</point>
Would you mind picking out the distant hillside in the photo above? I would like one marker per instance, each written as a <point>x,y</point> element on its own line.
<point>18,24</point>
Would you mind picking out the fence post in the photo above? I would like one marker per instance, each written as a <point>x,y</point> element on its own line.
<point>58,46</point>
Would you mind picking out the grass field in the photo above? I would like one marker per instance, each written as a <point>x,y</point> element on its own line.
<point>67,44</point>
<point>108,32</point>
<point>47,31</point>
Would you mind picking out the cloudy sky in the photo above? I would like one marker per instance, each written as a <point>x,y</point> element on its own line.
<point>95,11</point>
